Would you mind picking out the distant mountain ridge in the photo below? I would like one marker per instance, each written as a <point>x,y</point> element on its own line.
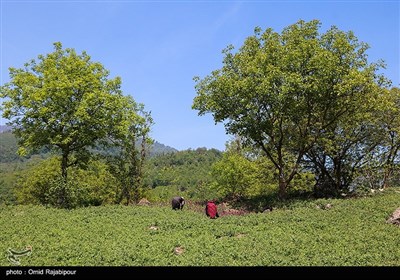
<point>159,148</point>
<point>9,146</point>
<point>4,128</point>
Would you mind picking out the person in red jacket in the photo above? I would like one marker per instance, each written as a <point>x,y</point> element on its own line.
<point>211,210</point>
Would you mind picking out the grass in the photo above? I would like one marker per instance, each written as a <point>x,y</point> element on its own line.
<point>353,232</point>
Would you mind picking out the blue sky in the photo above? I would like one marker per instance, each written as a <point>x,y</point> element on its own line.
<point>157,47</point>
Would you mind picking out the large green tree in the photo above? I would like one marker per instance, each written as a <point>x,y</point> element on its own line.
<point>283,92</point>
<point>63,101</point>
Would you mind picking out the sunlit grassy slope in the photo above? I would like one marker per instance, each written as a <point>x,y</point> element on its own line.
<point>353,232</point>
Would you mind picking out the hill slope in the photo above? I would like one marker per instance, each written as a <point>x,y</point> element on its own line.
<point>353,232</point>
<point>9,147</point>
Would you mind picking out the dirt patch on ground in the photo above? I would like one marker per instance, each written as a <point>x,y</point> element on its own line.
<point>143,202</point>
<point>179,250</point>
<point>233,212</point>
<point>395,218</point>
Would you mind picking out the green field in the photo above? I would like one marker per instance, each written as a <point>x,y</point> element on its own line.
<point>353,232</point>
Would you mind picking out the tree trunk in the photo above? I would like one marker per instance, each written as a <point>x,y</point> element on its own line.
<point>64,174</point>
<point>139,172</point>
<point>127,195</point>
<point>64,166</point>
<point>282,192</point>
<point>338,173</point>
<point>388,171</point>
<point>133,169</point>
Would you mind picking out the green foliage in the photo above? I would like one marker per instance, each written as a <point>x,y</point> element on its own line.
<point>8,147</point>
<point>243,174</point>
<point>299,91</point>
<point>6,194</point>
<point>128,163</point>
<point>41,184</point>
<point>350,233</point>
<point>387,159</point>
<point>185,172</point>
<point>350,145</point>
<point>236,176</point>
<point>35,183</point>
<point>9,175</point>
<point>162,193</point>
<point>302,183</point>
<point>159,149</point>
<point>65,102</point>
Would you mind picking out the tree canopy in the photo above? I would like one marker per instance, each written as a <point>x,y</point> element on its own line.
<point>66,102</point>
<point>287,93</point>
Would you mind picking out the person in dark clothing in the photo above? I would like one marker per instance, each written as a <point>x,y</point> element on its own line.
<point>211,210</point>
<point>178,202</point>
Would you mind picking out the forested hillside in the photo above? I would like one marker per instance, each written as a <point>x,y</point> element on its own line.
<point>9,148</point>
<point>168,172</point>
<point>186,173</point>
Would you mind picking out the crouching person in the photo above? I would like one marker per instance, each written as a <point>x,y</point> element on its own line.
<point>211,210</point>
<point>178,202</point>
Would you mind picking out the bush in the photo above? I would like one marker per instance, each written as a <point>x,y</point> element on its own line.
<point>42,184</point>
<point>237,176</point>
